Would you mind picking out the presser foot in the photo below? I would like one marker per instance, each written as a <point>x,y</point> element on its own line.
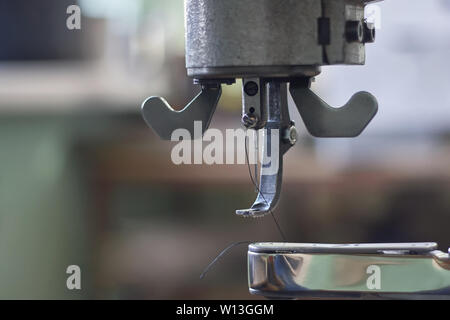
<point>266,103</point>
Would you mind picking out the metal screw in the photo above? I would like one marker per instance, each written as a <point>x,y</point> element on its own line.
<point>354,31</point>
<point>369,32</point>
<point>249,120</point>
<point>251,88</point>
<point>290,135</point>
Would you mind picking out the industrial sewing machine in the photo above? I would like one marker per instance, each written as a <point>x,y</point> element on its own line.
<point>270,44</point>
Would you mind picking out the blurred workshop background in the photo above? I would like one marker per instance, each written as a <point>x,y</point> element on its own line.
<point>83,181</point>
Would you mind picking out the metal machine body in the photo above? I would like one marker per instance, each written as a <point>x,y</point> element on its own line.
<point>393,270</point>
<point>269,44</point>
<point>267,38</point>
<point>276,47</point>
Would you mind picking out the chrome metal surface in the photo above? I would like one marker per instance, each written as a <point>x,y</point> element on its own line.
<point>289,270</point>
<point>361,248</point>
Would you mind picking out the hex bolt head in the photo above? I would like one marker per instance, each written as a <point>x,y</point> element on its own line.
<point>354,31</point>
<point>290,135</point>
<point>251,88</point>
<point>369,32</point>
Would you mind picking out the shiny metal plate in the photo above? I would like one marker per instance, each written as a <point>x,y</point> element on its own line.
<point>394,270</point>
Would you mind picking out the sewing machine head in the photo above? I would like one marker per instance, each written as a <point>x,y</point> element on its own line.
<point>269,44</point>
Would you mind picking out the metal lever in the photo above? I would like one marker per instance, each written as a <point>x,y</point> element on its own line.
<point>323,121</point>
<point>163,119</point>
<point>277,125</point>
